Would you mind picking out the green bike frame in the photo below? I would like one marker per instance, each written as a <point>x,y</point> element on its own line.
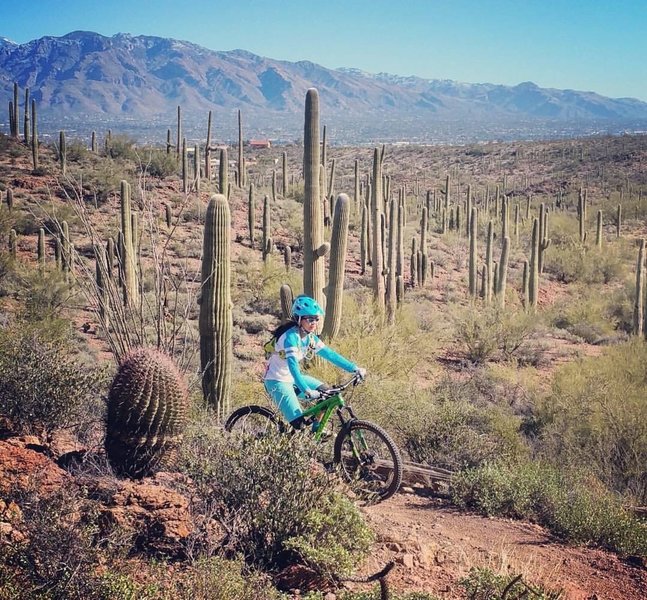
<point>328,407</point>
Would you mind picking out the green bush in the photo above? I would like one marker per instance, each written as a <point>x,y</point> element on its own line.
<point>276,500</point>
<point>43,387</point>
<point>157,163</point>
<point>483,584</point>
<point>491,332</point>
<point>595,416</point>
<point>573,506</point>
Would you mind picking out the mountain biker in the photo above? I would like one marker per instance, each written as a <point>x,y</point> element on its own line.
<point>295,341</point>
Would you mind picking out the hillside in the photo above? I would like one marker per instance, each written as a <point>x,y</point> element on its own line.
<point>457,381</point>
<point>130,80</point>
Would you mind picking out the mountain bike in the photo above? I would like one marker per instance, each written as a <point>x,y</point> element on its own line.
<point>364,453</point>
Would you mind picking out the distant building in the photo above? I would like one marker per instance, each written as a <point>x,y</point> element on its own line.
<point>260,144</point>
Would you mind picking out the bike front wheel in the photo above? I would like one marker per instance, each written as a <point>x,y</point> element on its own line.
<point>369,459</point>
<point>255,421</point>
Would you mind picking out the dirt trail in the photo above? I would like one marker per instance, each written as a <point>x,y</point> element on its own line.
<point>434,545</point>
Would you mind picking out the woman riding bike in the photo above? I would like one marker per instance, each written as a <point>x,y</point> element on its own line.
<point>295,341</point>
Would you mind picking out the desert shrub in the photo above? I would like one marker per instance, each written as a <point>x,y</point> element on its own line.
<point>492,332</point>
<point>595,415</point>
<point>586,314</point>
<point>276,501</point>
<point>483,584</point>
<point>454,425</point>
<point>43,387</point>
<point>121,146</point>
<point>572,505</point>
<point>574,262</point>
<point>59,559</point>
<point>157,163</point>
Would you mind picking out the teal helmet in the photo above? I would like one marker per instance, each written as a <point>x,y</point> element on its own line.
<point>304,306</point>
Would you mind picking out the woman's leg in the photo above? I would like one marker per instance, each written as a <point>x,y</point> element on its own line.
<point>285,398</point>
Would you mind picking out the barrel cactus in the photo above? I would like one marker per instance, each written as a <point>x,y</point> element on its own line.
<point>147,410</point>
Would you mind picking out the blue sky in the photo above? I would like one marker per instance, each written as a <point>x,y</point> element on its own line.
<point>591,45</point>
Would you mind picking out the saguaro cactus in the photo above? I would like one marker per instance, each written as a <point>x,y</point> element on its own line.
<point>392,259</point>
<point>128,262</point>
<point>314,249</point>
<point>502,276</point>
<point>34,136</point>
<point>147,411</point>
<point>473,275</point>
<point>251,216</point>
<point>223,173</point>
<point>267,235</point>
<point>240,166</point>
<point>376,205</point>
<point>62,152</point>
<point>338,245</point>
<point>639,315</point>
<point>533,267</point>
<point>216,322</point>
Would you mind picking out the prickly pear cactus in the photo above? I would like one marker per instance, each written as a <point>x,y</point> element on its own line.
<point>147,408</point>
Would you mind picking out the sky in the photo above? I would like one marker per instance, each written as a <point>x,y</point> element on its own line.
<point>587,45</point>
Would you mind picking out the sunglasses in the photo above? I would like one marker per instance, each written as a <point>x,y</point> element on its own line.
<point>311,319</point>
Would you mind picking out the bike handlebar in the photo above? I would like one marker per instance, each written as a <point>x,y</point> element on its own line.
<point>354,380</point>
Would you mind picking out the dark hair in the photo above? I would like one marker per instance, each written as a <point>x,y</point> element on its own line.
<point>282,328</point>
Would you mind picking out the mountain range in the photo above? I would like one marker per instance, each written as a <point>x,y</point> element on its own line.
<point>85,77</point>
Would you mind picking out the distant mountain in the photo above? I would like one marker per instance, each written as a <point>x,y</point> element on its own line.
<point>84,75</point>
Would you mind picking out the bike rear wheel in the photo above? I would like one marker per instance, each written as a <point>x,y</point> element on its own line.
<point>369,459</point>
<point>256,421</point>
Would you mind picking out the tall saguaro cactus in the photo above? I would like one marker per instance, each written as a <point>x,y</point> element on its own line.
<point>639,316</point>
<point>533,267</point>
<point>34,136</point>
<point>314,249</point>
<point>215,321</point>
<point>473,275</point>
<point>377,258</point>
<point>128,262</point>
<point>338,246</point>
<point>240,166</point>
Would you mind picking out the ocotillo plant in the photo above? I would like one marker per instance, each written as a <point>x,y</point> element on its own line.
<point>314,249</point>
<point>147,411</point>
<point>338,246</point>
<point>251,216</point>
<point>473,257</point>
<point>215,321</point>
<point>639,315</point>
